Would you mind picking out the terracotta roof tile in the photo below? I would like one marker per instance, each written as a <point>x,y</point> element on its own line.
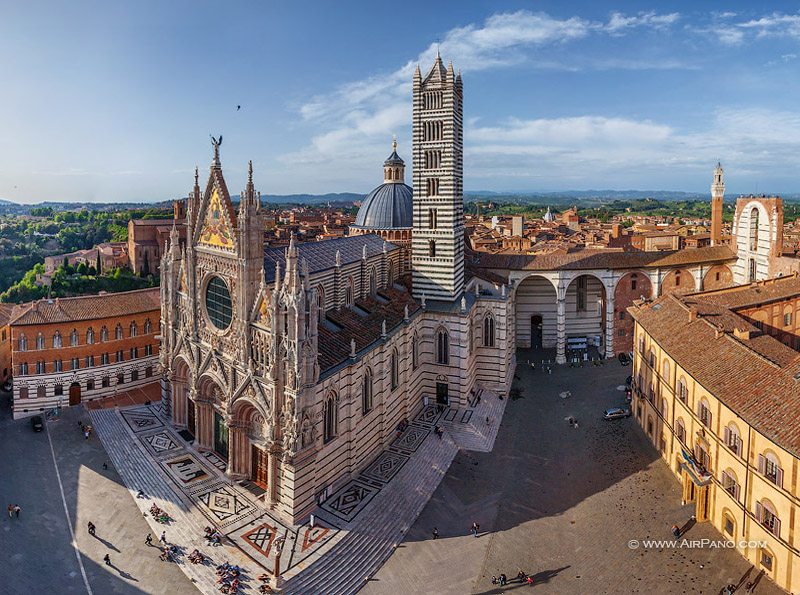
<point>88,307</point>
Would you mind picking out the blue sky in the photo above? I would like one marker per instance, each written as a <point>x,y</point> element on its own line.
<point>112,101</point>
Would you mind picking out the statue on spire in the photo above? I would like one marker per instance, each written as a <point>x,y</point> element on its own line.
<point>216,143</point>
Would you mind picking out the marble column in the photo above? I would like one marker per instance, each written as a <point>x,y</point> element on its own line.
<point>272,476</point>
<point>238,450</point>
<point>561,327</point>
<point>609,323</point>
<point>204,418</point>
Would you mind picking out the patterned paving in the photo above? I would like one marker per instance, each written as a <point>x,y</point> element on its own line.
<point>428,415</point>
<point>186,470</point>
<point>386,466</point>
<point>216,460</point>
<point>411,438</point>
<point>349,500</point>
<point>225,503</point>
<point>141,420</point>
<point>160,442</point>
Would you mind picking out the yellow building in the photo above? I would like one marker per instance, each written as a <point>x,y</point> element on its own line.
<point>717,391</point>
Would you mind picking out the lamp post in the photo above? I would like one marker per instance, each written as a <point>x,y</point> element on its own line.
<point>278,551</point>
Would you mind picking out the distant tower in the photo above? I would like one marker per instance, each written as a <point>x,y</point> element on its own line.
<point>717,192</point>
<point>438,235</point>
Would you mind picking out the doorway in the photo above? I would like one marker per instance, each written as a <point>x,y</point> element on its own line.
<point>190,416</point>
<point>442,398</point>
<point>74,394</point>
<point>536,331</point>
<point>220,436</point>
<point>259,460</point>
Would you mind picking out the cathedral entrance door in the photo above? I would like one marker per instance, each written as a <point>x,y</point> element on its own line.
<point>442,397</point>
<point>74,393</point>
<point>259,461</point>
<point>190,416</point>
<point>220,436</point>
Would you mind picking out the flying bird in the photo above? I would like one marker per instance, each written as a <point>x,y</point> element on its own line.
<point>238,107</point>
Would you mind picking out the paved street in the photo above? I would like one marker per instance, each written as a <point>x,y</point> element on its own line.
<point>37,547</point>
<point>559,503</point>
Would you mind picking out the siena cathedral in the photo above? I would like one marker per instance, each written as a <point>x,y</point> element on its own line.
<point>298,365</point>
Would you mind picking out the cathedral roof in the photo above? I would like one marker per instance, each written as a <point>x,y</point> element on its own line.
<point>389,206</point>
<point>321,255</point>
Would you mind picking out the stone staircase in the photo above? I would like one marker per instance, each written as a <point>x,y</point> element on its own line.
<point>476,434</point>
<point>375,533</point>
<point>139,471</point>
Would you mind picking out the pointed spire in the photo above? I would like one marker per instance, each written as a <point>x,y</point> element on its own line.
<point>196,181</point>
<point>277,274</point>
<point>394,143</point>
<point>216,143</point>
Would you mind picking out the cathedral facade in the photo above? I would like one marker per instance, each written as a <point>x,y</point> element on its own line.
<point>298,366</point>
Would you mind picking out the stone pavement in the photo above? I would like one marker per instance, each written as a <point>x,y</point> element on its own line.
<point>559,503</point>
<point>38,555</point>
<point>355,530</point>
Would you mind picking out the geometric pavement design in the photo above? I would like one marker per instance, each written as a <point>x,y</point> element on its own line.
<point>186,469</point>
<point>312,535</point>
<point>349,500</point>
<point>216,460</point>
<point>385,466</point>
<point>428,415</point>
<point>411,438</point>
<point>261,538</point>
<point>161,442</point>
<point>139,422</point>
<point>225,503</point>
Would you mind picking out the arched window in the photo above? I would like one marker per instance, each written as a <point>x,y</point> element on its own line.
<point>134,329</point>
<point>320,302</point>
<point>432,248</point>
<point>23,343</point>
<point>766,515</point>
<point>40,341</point>
<point>73,338</point>
<point>704,413</point>
<point>680,430</point>
<point>651,358</point>
<point>488,331</point>
<point>770,467</point>
<point>90,336</point>
<point>665,371</point>
<point>730,483</point>
<point>148,327</point>
<point>104,333</point>
<point>331,417</point>
<point>683,390</point>
<point>118,331</point>
<point>373,281</point>
<point>57,340</point>
<point>348,292</point>
<point>414,352</point>
<point>754,229</point>
<point>733,439</point>
<point>442,347</point>
<point>366,392</point>
<point>395,370</point>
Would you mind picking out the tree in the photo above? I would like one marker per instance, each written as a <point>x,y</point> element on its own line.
<point>82,269</point>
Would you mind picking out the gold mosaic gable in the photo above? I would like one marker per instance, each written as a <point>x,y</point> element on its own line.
<point>182,282</point>
<point>217,230</point>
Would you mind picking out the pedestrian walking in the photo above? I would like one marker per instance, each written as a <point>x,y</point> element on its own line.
<point>91,528</point>
<point>149,539</point>
<point>163,538</point>
<point>676,531</point>
<point>11,511</point>
<point>17,510</point>
<point>435,533</point>
<point>107,560</point>
<point>474,529</point>
<point>105,465</point>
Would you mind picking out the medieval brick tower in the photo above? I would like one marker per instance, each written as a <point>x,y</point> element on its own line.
<point>717,192</point>
<point>438,233</point>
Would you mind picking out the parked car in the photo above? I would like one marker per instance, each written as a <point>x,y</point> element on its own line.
<point>616,412</point>
<point>36,423</point>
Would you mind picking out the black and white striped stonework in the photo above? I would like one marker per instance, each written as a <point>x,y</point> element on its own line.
<point>438,236</point>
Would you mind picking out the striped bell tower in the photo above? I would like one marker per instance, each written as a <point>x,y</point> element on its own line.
<point>437,258</point>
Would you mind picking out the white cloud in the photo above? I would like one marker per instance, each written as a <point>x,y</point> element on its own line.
<point>619,23</point>
<point>776,24</point>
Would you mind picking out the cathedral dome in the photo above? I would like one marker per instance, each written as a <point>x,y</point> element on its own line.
<point>390,205</point>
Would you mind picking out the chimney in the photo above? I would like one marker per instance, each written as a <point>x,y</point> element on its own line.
<point>741,334</point>
<point>692,314</point>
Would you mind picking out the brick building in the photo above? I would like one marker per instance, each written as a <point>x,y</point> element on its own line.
<point>68,350</point>
<point>147,239</point>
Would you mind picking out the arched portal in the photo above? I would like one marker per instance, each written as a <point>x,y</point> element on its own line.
<point>74,393</point>
<point>536,308</point>
<point>585,313</point>
<point>212,429</point>
<point>249,457</point>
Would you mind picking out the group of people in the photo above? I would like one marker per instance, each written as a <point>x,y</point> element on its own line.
<point>213,536</point>
<point>86,429</point>
<point>159,515</point>
<point>502,580</point>
<point>14,510</point>
<point>196,557</point>
<point>228,576</point>
<point>169,553</point>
